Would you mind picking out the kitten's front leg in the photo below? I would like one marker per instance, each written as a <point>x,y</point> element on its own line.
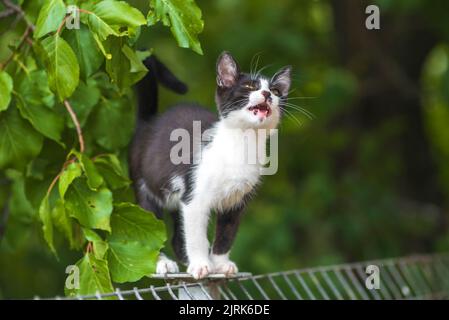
<point>195,217</point>
<point>226,230</point>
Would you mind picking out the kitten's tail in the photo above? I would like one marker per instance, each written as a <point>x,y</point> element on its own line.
<point>147,91</point>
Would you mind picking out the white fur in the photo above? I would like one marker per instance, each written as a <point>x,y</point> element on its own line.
<point>229,168</point>
<point>174,197</point>
<point>165,265</point>
<point>245,119</point>
<point>222,264</point>
<point>223,177</point>
<point>145,190</point>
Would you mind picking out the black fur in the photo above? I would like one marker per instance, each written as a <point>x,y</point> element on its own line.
<point>147,90</point>
<point>149,154</point>
<point>151,168</point>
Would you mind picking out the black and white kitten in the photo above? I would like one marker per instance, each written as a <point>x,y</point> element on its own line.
<point>216,181</point>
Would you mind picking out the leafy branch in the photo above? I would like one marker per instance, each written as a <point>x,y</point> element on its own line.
<point>13,8</point>
<point>79,80</point>
<point>24,39</point>
<point>77,124</point>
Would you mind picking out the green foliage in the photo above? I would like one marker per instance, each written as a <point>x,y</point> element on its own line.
<point>66,119</point>
<point>436,82</point>
<point>50,17</point>
<point>183,17</point>
<point>134,244</point>
<point>345,189</point>
<point>62,66</point>
<point>118,14</point>
<point>86,50</point>
<point>342,192</point>
<point>47,224</point>
<point>19,142</point>
<point>94,276</point>
<point>5,88</point>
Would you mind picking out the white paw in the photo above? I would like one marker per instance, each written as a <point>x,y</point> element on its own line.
<point>199,268</point>
<point>226,267</point>
<point>165,265</point>
<point>222,264</point>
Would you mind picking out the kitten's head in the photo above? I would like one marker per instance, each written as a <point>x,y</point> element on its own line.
<point>249,100</point>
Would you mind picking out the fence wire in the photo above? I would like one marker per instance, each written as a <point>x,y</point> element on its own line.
<point>414,277</point>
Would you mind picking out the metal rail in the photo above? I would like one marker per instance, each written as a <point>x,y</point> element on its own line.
<point>414,277</point>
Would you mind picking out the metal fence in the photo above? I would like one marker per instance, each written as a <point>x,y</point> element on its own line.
<point>414,277</point>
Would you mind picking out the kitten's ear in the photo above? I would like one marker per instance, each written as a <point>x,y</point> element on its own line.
<point>227,70</point>
<point>282,80</point>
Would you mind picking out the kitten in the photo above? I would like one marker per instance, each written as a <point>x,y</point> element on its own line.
<point>212,179</point>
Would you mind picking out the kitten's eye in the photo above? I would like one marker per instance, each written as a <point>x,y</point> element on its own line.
<point>276,92</point>
<point>250,86</point>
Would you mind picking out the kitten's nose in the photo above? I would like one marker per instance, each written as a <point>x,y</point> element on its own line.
<point>266,94</point>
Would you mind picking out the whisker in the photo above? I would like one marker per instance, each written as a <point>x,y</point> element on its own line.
<point>235,103</point>
<point>256,58</point>
<point>289,114</point>
<point>306,112</point>
<point>298,98</point>
<point>245,97</point>
<point>287,103</point>
<point>262,69</point>
<point>291,91</point>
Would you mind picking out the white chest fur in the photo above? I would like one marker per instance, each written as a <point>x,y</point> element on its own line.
<point>229,167</point>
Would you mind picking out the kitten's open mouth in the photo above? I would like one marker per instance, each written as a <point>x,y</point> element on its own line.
<point>261,109</point>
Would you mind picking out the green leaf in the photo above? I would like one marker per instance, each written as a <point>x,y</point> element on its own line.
<point>43,119</point>
<point>143,54</point>
<point>19,205</point>
<point>118,67</point>
<point>62,66</point>
<point>47,223</point>
<point>110,169</point>
<point>109,16</point>
<point>34,89</point>
<point>91,208</point>
<point>50,17</point>
<point>86,50</point>
<point>100,44</point>
<point>63,222</point>
<point>137,68</point>
<point>93,277</point>
<point>5,89</point>
<point>70,173</point>
<point>131,222</point>
<point>124,67</point>
<point>184,19</point>
<point>101,28</point>
<point>94,179</point>
<point>114,123</point>
<point>134,244</point>
<point>100,247</point>
<point>19,142</point>
<point>83,100</point>
<point>119,13</point>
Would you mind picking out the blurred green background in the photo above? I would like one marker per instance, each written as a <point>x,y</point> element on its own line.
<point>367,178</point>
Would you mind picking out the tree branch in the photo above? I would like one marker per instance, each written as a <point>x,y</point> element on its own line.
<point>23,40</point>
<point>76,123</point>
<point>63,22</point>
<point>6,13</point>
<point>17,9</point>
